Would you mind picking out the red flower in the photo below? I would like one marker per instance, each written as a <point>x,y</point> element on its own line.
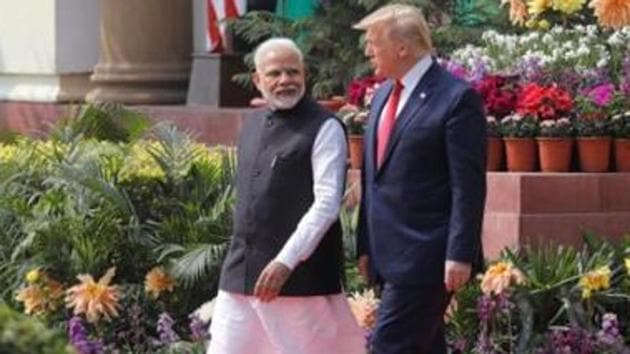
<point>543,102</point>
<point>358,88</point>
<point>498,94</point>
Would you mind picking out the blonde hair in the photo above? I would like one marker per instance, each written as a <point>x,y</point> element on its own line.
<point>279,44</point>
<point>404,22</point>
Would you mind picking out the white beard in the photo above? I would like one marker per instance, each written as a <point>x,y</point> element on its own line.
<point>282,102</point>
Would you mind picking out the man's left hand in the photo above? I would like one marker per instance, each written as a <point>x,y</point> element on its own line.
<point>271,280</point>
<point>456,274</point>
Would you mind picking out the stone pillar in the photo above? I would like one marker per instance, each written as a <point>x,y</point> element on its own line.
<point>47,49</point>
<point>145,48</point>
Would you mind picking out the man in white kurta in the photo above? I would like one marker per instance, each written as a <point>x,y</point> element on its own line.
<point>266,321</point>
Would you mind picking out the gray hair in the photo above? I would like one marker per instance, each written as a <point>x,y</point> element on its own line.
<point>404,22</point>
<point>276,44</point>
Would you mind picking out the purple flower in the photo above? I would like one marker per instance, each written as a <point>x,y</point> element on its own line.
<point>485,308</point>
<point>609,334</point>
<point>456,69</point>
<point>198,328</point>
<point>165,329</point>
<point>79,339</point>
<point>602,94</point>
<point>570,341</point>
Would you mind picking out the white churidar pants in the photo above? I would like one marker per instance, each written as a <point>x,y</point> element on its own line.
<point>287,325</point>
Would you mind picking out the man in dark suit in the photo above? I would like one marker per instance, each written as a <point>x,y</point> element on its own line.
<point>423,183</point>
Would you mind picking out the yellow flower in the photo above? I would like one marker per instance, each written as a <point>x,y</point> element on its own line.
<point>40,298</point>
<point>537,7</point>
<point>94,299</point>
<point>568,6</point>
<point>544,24</point>
<point>612,13</point>
<point>499,277</point>
<point>363,307</point>
<point>598,279</point>
<point>627,261</point>
<point>518,11</point>
<point>32,276</point>
<point>157,281</point>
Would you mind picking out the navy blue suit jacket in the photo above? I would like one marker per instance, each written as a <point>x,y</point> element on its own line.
<point>425,203</point>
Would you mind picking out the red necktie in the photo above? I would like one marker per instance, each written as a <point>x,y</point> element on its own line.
<point>387,125</point>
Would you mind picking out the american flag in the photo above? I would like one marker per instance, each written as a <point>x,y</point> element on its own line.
<point>218,10</point>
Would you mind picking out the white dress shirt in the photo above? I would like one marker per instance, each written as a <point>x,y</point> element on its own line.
<point>409,82</point>
<point>328,159</point>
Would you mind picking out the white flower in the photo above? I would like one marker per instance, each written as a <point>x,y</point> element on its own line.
<point>615,39</point>
<point>204,312</point>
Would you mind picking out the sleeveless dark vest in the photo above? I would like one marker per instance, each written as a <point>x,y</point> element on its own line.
<point>274,187</point>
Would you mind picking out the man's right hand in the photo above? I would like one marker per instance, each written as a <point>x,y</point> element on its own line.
<point>363,265</point>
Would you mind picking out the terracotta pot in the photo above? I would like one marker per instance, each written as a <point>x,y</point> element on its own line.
<point>332,105</point>
<point>494,156</point>
<point>594,153</point>
<point>355,145</point>
<point>520,154</point>
<point>554,154</point>
<point>622,155</point>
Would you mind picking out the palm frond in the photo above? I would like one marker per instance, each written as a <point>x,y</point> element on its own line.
<point>202,261</point>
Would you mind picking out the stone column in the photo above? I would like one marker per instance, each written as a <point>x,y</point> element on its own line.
<point>145,48</point>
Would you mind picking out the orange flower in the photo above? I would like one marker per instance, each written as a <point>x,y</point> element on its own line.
<point>612,13</point>
<point>157,281</point>
<point>518,11</point>
<point>41,297</point>
<point>363,307</point>
<point>94,298</point>
<point>499,277</point>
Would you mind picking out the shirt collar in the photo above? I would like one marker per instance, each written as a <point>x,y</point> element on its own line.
<point>413,76</point>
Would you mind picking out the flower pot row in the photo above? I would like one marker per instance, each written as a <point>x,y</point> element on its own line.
<point>556,154</point>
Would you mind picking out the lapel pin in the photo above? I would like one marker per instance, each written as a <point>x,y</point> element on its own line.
<point>422,95</point>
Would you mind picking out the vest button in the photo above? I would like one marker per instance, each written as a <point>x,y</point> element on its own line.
<point>256,173</point>
<point>269,122</point>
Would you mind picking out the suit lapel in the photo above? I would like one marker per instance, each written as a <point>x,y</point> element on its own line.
<point>414,108</point>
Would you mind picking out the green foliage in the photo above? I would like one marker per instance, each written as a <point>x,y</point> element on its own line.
<point>73,206</point>
<point>23,335</point>
<point>334,51</point>
<point>101,121</point>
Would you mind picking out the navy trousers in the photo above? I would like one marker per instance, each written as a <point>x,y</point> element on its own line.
<point>411,320</point>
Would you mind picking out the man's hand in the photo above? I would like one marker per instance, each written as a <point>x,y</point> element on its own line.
<point>271,281</point>
<point>363,266</point>
<point>456,274</point>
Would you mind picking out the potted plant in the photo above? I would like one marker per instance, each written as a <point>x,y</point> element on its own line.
<point>620,124</point>
<point>555,143</point>
<point>518,133</point>
<point>354,118</point>
<point>592,127</point>
<point>354,115</point>
<point>499,99</point>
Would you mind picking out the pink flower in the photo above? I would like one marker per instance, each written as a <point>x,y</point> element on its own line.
<point>601,94</point>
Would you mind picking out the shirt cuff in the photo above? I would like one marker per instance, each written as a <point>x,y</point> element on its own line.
<point>287,259</point>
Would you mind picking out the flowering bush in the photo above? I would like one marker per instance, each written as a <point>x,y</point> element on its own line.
<point>552,300</point>
<point>360,93</point>
<point>543,102</point>
<point>541,13</point>
<point>493,129</point>
<point>498,93</point>
<point>518,126</point>
<point>556,128</point>
<point>354,118</point>
<point>592,125</point>
<point>620,124</point>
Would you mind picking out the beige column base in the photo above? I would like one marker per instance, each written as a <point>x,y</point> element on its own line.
<point>144,52</point>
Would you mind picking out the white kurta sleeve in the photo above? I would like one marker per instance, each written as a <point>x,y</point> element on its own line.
<point>328,160</point>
